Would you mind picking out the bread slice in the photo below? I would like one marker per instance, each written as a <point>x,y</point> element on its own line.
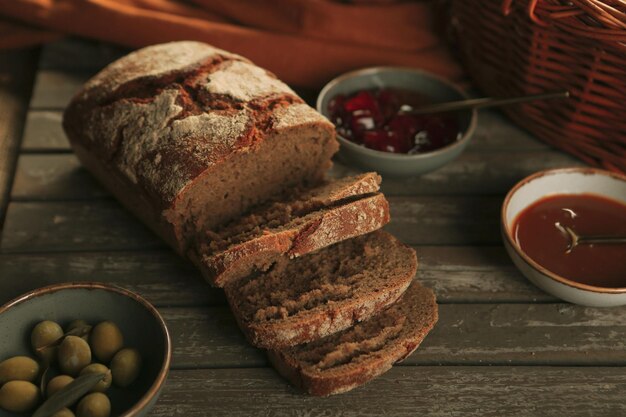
<point>313,296</point>
<point>293,225</point>
<point>345,360</point>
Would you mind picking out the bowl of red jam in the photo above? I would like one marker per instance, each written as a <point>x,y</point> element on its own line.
<point>590,202</point>
<point>371,111</point>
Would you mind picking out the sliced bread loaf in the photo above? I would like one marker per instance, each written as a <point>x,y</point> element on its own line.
<point>345,360</point>
<point>321,293</point>
<point>292,225</point>
<point>188,136</point>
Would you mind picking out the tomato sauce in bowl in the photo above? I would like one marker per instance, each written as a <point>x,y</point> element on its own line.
<point>599,265</point>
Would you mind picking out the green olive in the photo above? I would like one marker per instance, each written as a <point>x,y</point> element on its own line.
<point>20,368</point>
<point>64,412</point>
<point>74,354</point>
<point>19,396</point>
<point>44,334</point>
<point>95,404</point>
<point>125,366</point>
<point>78,324</point>
<point>98,368</point>
<point>106,339</point>
<point>57,383</point>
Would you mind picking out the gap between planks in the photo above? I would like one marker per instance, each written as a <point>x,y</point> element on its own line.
<point>17,69</point>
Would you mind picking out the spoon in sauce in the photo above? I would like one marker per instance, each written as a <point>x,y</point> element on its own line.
<point>480,103</point>
<point>575,239</point>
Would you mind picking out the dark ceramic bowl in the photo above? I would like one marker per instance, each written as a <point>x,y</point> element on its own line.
<point>141,324</point>
<point>429,85</point>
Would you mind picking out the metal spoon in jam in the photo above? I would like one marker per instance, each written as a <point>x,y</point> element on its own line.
<point>575,239</point>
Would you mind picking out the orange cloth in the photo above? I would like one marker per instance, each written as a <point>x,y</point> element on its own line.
<point>305,42</point>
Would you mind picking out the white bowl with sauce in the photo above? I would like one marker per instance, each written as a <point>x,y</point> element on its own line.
<point>548,185</point>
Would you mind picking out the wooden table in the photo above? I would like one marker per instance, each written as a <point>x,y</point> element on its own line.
<point>501,347</point>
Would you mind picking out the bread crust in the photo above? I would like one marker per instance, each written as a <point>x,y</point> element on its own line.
<point>164,116</point>
<point>422,317</point>
<point>318,231</point>
<point>332,317</point>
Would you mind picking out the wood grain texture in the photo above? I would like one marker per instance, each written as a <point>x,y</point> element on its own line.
<point>54,177</point>
<point>160,276</point>
<point>43,132</point>
<point>403,391</point>
<point>466,334</point>
<point>44,176</point>
<point>54,89</point>
<point>105,225</point>
<point>74,226</point>
<point>17,69</point>
<point>456,273</point>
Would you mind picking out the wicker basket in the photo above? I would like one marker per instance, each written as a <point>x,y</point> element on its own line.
<point>532,46</point>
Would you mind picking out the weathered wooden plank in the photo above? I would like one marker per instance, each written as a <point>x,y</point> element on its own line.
<point>44,133</point>
<point>403,391</point>
<point>105,225</point>
<point>54,89</point>
<point>17,69</point>
<point>56,227</point>
<point>426,220</point>
<point>457,274</point>
<point>54,177</point>
<point>59,176</point>
<point>475,172</point>
<point>466,334</point>
<point>209,338</point>
<point>160,276</point>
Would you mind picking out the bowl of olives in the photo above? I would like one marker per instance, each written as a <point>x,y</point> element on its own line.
<point>81,350</point>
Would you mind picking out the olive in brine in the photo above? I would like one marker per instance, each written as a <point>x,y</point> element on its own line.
<point>98,368</point>
<point>125,366</point>
<point>64,412</point>
<point>106,340</point>
<point>19,396</point>
<point>57,383</point>
<point>95,404</point>
<point>79,324</point>
<point>20,368</point>
<point>74,354</point>
<point>44,334</point>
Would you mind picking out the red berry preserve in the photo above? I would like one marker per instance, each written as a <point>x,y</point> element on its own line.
<point>377,119</point>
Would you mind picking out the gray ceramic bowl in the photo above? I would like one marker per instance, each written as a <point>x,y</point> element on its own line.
<point>435,88</point>
<point>141,324</point>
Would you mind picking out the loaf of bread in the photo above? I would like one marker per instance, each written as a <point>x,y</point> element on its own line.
<point>301,222</point>
<point>226,163</point>
<point>188,136</point>
<point>345,360</point>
